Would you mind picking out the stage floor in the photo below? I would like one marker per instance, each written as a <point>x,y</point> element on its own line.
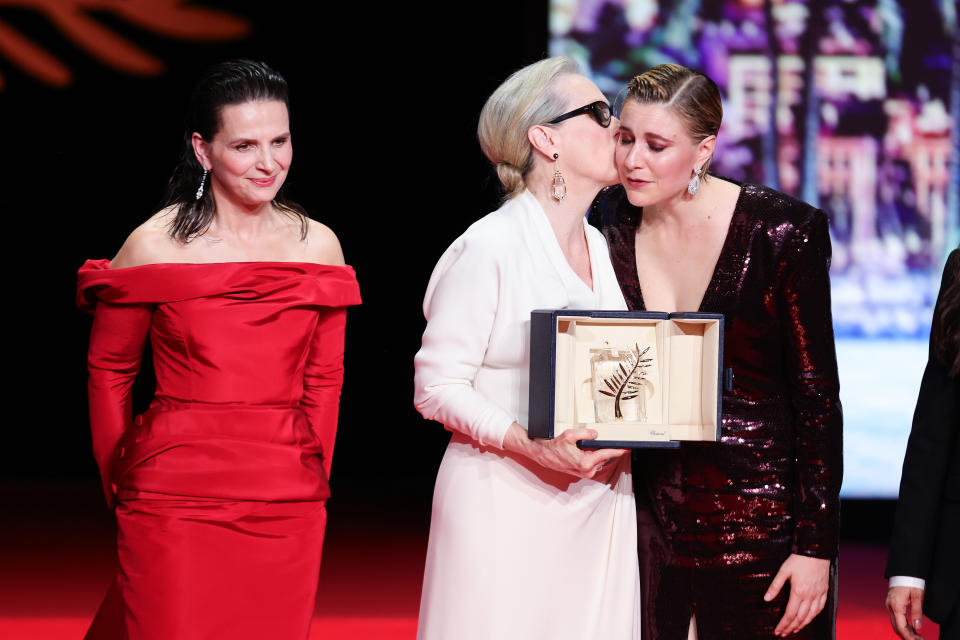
<point>56,563</point>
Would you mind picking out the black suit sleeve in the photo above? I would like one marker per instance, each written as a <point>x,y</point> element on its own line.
<point>926,463</point>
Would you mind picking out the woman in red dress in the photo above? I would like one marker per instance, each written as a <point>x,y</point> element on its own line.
<point>220,486</point>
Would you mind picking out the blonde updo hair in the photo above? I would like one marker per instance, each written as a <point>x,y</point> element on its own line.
<point>691,95</point>
<point>525,99</point>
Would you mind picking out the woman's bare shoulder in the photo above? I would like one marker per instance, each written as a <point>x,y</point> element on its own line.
<point>150,243</point>
<point>322,245</point>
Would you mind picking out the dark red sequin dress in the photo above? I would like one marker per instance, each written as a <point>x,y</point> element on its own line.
<point>716,520</point>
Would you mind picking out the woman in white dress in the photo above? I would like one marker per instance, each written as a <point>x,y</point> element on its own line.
<point>529,538</point>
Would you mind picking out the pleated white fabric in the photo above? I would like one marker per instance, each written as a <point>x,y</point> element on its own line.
<point>515,551</point>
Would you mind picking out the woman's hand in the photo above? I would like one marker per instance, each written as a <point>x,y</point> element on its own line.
<point>809,582</point>
<point>562,453</point>
<point>905,605</point>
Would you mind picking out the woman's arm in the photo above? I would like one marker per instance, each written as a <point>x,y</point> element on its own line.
<point>323,373</point>
<point>811,366</point>
<point>323,380</point>
<point>113,360</point>
<point>461,306</point>
<point>814,387</point>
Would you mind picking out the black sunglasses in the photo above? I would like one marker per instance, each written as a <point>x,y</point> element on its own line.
<point>600,111</point>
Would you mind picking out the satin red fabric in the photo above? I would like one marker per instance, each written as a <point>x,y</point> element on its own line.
<point>220,485</point>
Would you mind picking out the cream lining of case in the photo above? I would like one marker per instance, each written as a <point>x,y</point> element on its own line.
<point>682,387</point>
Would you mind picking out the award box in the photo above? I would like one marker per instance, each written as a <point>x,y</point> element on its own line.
<point>640,379</point>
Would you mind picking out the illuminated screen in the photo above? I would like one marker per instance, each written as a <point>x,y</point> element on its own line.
<point>846,104</point>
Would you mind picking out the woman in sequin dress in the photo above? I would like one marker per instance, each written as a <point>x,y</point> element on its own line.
<point>739,535</point>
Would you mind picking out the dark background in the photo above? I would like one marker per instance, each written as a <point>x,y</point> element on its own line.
<point>384,115</point>
<point>384,111</point>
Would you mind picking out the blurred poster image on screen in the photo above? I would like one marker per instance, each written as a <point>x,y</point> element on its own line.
<point>856,120</point>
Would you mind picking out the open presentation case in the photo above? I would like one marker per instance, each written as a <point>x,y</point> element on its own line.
<point>640,379</point>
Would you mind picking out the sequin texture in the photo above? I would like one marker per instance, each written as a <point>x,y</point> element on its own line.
<point>771,486</point>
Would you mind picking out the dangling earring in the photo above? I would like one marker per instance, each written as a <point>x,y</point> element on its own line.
<point>559,186</point>
<point>694,185</point>
<point>203,180</point>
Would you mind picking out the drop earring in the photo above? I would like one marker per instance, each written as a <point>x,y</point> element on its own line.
<point>203,181</point>
<point>559,186</point>
<point>694,184</point>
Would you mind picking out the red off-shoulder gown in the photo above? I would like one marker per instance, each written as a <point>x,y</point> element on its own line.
<point>220,486</point>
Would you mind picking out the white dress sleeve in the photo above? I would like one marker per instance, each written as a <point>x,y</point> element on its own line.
<point>461,306</point>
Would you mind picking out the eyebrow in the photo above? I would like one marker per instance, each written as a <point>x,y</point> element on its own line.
<point>647,134</point>
<point>657,136</point>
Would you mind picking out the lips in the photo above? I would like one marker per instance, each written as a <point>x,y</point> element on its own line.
<point>635,182</point>
<point>264,182</point>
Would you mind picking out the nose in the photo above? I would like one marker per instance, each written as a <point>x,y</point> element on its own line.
<point>265,161</point>
<point>634,158</point>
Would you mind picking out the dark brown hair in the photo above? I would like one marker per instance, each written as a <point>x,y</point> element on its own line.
<point>946,322</point>
<point>227,83</point>
<point>694,97</point>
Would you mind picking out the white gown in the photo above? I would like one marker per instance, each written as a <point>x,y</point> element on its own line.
<point>515,551</point>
